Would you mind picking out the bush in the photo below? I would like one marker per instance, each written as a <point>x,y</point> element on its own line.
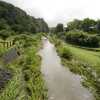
<point>65,53</point>
<point>82,38</point>
<point>4,34</point>
<point>93,41</point>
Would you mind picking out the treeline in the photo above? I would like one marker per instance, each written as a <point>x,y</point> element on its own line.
<point>15,19</point>
<point>87,25</point>
<point>80,32</point>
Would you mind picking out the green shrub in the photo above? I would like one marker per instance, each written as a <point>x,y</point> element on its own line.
<point>82,38</point>
<point>65,53</point>
<point>4,34</point>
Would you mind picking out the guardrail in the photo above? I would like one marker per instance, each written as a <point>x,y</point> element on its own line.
<point>7,44</point>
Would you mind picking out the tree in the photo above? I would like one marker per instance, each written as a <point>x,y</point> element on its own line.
<point>88,24</point>
<point>82,38</point>
<point>98,26</point>
<point>59,28</point>
<point>76,24</point>
<point>20,21</point>
<point>3,24</point>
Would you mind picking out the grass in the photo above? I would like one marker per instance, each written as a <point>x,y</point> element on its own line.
<point>13,88</point>
<point>83,62</point>
<point>90,57</point>
<point>87,64</point>
<point>2,49</point>
<point>27,82</point>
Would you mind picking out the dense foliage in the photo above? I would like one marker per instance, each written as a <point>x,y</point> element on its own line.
<point>59,28</point>
<point>80,32</point>
<point>82,38</point>
<point>86,25</point>
<point>4,34</point>
<point>13,18</point>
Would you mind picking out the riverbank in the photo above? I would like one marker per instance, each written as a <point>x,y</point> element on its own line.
<point>27,82</point>
<point>83,62</point>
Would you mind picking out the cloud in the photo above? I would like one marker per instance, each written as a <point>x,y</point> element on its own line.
<point>55,11</point>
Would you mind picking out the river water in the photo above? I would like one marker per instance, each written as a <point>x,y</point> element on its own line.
<point>61,83</point>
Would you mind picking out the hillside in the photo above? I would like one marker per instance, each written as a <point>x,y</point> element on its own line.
<point>13,18</point>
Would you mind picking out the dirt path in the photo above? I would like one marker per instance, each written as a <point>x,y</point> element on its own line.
<point>61,83</point>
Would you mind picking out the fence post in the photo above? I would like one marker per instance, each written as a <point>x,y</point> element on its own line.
<point>7,44</point>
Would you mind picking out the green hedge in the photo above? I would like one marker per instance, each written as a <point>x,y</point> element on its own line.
<point>82,38</point>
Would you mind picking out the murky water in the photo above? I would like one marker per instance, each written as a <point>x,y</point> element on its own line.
<point>61,83</point>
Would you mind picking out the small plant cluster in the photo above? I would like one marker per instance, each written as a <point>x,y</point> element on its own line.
<point>63,51</point>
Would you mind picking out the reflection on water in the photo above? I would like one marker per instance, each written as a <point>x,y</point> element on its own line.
<point>62,84</point>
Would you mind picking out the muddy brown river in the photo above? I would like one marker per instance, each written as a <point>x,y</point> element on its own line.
<point>61,83</point>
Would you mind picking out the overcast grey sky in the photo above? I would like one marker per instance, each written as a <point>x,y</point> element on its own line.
<point>59,11</point>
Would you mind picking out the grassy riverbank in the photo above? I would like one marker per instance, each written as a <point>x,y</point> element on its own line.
<point>27,82</point>
<point>83,62</point>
